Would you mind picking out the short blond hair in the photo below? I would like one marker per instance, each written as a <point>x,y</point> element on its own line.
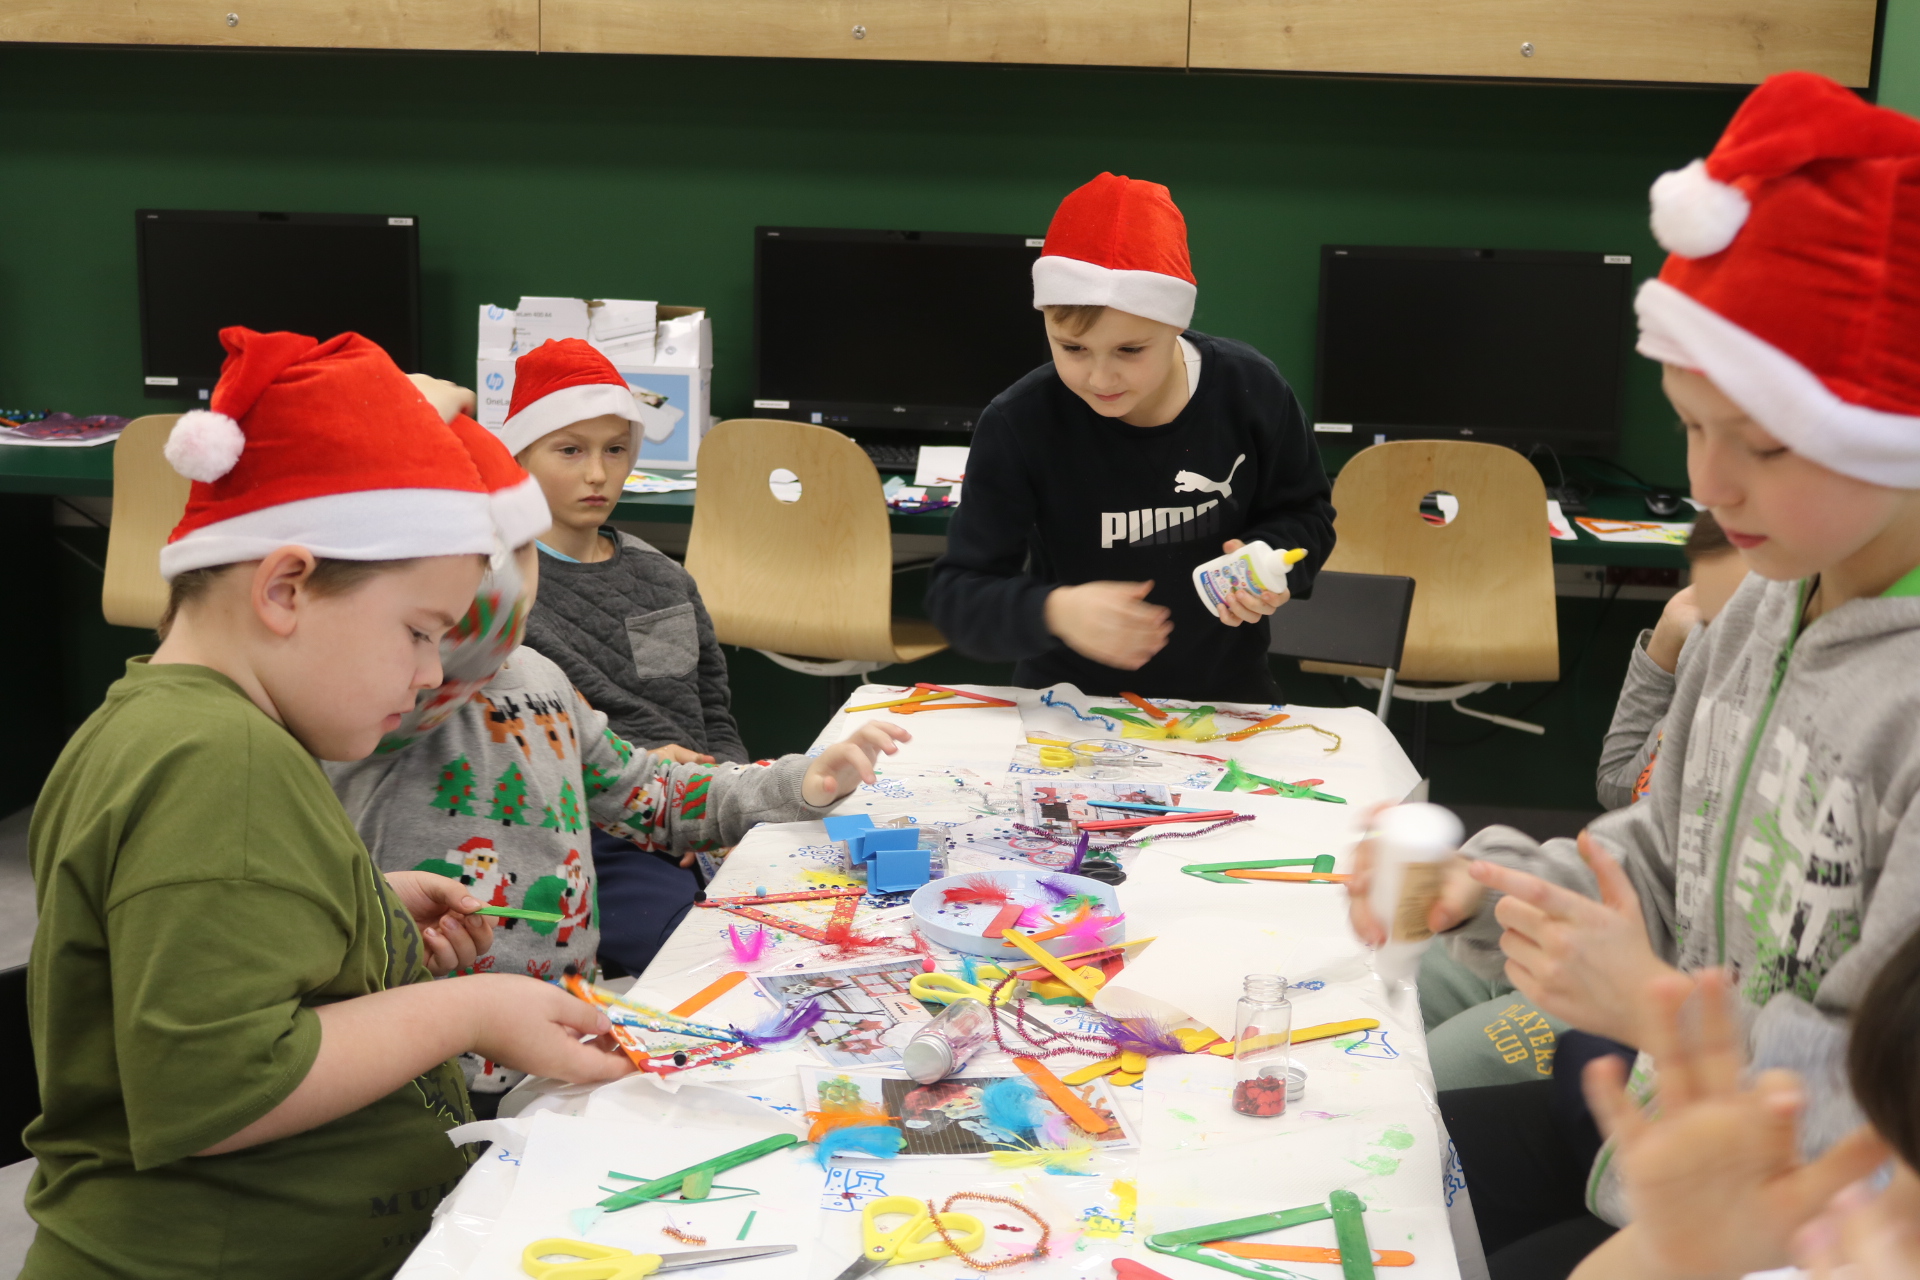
<point>1076,318</point>
<point>329,578</point>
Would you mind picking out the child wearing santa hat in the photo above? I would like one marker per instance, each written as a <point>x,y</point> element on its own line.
<point>239,1049</point>
<point>508,754</point>
<point>1098,482</point>
<point>1780,835</point>
<point>623,620</point>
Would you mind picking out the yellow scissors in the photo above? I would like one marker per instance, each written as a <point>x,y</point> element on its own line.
<point>944,988</point>
<point>914,1240</point>
<point>583,1260</point>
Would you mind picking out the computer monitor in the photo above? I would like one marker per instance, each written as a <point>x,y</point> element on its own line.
<point>1509,346</point>
<point>312,273</point>
<point>904,329</point>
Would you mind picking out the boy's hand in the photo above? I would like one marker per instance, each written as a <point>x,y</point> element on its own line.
<point>1110,622</point>
<point>834,771</point>
<point>1715,1179</point>
<point>1864,1236</point>
<point>443,910</point>
<point>1459,897</point>
<point>1244,606</point>
<point>1677,622</point>
<point>536,1027</point>
<point>679,754</point>
<point>447,399</point>
<point>1584,961</point>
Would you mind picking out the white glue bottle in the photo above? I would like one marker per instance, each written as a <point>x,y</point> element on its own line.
<point>1254,568</point>
<point>1411,846</point>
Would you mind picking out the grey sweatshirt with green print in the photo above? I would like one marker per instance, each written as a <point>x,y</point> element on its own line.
<point>1780,836</point>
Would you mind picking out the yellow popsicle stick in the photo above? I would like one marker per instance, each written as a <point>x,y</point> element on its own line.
<point>1092,1071</point>
<point>1121,1079</point>
<point>1078,985</point>
<point>1318,1032</point>
<point>918,695</point>
<point>1134,1063</point>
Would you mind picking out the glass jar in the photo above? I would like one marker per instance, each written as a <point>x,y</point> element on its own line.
<point>943,1046</point>
<point>1262,1046</point>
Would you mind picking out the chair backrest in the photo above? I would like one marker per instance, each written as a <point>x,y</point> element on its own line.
<point>812,577</point>
<point>1355,618</point>
<point>1485,608</point>
<point>148,498</point>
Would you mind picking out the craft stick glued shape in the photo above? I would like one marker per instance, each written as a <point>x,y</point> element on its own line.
<point>1066,1099</point>
<point>1075,982</point>
<point>708,994</point>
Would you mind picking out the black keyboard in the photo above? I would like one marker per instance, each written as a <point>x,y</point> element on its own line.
<point>893,459</point>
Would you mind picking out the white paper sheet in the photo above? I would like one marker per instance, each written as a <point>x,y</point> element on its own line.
<point>941,464</point>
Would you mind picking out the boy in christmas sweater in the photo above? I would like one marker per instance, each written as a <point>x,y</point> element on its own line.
<point>1097,483</point>
<point>501,774</point>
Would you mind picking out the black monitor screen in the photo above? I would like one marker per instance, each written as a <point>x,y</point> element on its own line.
<point>1510,346</point>
<point>317,274</point>
<point>891,328</point>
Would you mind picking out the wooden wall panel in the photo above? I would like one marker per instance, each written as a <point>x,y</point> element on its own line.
<point>1699,41</point>
<point>355,24</point>
<point>1142,33</point>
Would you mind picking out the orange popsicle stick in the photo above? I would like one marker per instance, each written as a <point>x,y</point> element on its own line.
<point>1047,935</point>
<point>707,995</point>
<point>1240,734</point>
<point>1305,1253</point>
<point>986,699</point>
<point>1292,877</point>
<point>1066,1099</point>
<point>1146,706</point>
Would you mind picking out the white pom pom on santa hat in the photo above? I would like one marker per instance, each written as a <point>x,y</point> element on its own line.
<point>1695,215</point>
<point>204,445</point>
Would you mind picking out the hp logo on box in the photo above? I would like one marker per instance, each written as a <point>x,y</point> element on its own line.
<point>495,382</point>
<point>495,313</point>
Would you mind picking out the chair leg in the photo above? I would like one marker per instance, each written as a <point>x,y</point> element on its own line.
<point>1419,735</point>
<point>836,694</point>
<point>1386,696</point>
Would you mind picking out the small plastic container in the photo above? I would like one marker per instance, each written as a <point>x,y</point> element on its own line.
<point>1411,844</point>
<point>1263,1047</point>
<point>1254,568</point>
<point>943,1046</point>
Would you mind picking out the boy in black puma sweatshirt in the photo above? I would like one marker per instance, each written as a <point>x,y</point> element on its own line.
<point>1098,482</point>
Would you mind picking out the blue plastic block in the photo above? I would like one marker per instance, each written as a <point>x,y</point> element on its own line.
<point>898,870</point>
<point>862,845</point>
<point>844,826</point>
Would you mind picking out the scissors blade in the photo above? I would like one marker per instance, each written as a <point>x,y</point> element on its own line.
<point>861,1266</point>
<point>708,1257</point>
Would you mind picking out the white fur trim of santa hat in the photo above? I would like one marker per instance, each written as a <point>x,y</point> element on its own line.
<point>565,407</point>
<point>1694,214</point>
<point>204,445</point>
<point>521,512</point>
<point>1777,391</point>
<point>1060,281</point>
<point>365,524</point>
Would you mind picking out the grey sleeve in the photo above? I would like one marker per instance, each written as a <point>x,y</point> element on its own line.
<point>1475,944</point>
<point>716,696</point>
<point>1638,719</point>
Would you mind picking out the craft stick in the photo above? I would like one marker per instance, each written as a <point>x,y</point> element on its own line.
<point>1003,921</point>
<point>951,706</point>
<point>520,913</point>
<point>798,895</point>
<point>697,1185</point>
<point>719,1164</point>
<point>1144,808</point>
<point>1148,707</point>
<point>1240,735</point>
<point>1350,1233</point>
<point>1109,949</point>
<point>1304,1034</point>
<point>988,699</point>
<point>918,695</point>
<point>1066,1099</point>
<point>1075,983</point>
<point>1128,1269</point>
<point>1292,877</point>
<point>1205,815</point>
<point>1305,1253</point>
<point>708,994</point>
<point>1093,1071</point>
<point>1253,1226</point>
<point>1065,926</point>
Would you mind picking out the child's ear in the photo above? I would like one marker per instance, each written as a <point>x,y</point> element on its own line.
<point>279,582</point>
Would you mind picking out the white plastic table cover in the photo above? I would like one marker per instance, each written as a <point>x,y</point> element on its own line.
<point>1367,1122</point>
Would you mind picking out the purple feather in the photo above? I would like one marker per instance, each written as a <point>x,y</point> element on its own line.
<point>783,1026</point>
<point>1058,890</point>
<point>1145,1035</point>
<point>1079,852</point>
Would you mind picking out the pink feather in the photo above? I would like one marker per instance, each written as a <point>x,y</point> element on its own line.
<point>1036,917</point>
<point>1089,930</point>
<point>748,949</point>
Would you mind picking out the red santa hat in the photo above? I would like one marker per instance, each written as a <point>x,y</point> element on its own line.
<point>1794,280</point>
<point>559,383</point>
<point>324,445</point>
<point>1118,242</point>
<point>520,509</point>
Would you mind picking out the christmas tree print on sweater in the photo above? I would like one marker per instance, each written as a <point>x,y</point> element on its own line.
<point>567,817</point>
<point>455,792</point>
<point>509,797</point>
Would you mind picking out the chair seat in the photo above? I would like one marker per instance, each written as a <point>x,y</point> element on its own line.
<point>915,638</point>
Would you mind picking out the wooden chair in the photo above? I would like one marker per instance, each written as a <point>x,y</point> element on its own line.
<point>810,579</point>
<point>148,498</point>
<point>1484,613</point>
<point>1358,618</point>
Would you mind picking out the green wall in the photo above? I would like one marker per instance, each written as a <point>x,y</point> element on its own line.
<point>641,177</point>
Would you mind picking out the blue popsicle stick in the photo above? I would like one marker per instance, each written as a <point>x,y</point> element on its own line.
<point>1150,808</point>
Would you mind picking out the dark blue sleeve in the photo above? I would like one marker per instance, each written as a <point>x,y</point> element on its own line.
<point>981,596</point>
<point>1294,506</point>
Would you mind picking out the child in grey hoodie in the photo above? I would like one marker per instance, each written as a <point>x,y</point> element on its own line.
<point>1780,835</point>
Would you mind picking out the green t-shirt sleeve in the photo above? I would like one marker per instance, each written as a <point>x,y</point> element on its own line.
<point>209,978</point>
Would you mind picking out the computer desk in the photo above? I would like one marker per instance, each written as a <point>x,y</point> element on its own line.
<point>88,471</point>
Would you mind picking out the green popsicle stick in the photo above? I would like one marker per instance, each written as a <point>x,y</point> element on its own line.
<point>521,913</point>
<point>1350,1232</point>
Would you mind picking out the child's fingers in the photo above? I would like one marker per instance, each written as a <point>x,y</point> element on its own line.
<point>453,931</point>
<point>439,957</point>
<point>1605,1083</point>
<point>1679,1084</point>
<point>1847,1161</point>
<point>1718,1061</point>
